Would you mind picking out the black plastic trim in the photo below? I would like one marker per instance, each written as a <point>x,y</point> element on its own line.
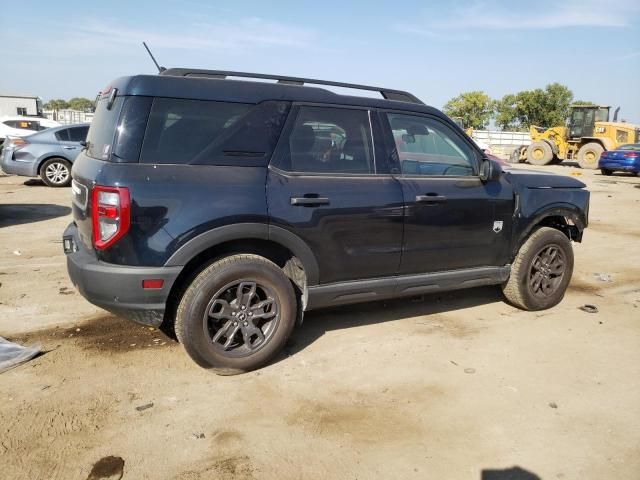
<point>244,231</point>
<point>387,93</point>
<point>343,293</point>
<point>118,288</point>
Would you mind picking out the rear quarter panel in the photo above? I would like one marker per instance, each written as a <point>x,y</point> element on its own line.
<point>171,204</point>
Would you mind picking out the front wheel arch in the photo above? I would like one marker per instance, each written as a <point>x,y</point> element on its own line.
<point>567,221</point>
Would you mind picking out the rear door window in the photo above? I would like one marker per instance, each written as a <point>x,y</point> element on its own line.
<point>329,140</point>
<point>212,133</point>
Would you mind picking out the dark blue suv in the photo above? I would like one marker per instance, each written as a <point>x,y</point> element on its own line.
<point>229,207</point>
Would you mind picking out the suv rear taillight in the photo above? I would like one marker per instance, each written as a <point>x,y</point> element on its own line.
<point>110,214</point>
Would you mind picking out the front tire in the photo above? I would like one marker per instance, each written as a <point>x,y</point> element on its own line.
<point>589,155</point>
<point>541,271</point>
<point>56,172</point>
<point>237,314</point>
<point>605,172</point>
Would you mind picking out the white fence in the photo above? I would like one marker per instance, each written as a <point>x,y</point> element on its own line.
<point>68,116</point>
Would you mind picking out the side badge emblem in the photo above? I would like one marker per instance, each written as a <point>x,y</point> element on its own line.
<point>497,226</point>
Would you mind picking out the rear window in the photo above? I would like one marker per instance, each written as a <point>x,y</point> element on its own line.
<point>78,134</point>
<point>103,129</point>
<point>212,133</point>
<point>62,135</point>
<point>23,124</point>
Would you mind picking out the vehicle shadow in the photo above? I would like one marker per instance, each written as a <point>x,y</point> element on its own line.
<point>317,323</point>
<point>17,214</point>
<point>34,182</point>
<point>513,473</point>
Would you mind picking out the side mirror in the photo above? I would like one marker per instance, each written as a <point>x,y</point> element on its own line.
<point>489,170</point>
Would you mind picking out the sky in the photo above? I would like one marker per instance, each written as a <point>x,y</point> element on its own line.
<point>434,49</point>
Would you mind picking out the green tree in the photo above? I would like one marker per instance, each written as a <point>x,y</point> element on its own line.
<point>475,108</point>
<point>56,104</point>
<point>505,110</point>
<point>546,107</point>
<point>82,104</point>
<point>582,102</point>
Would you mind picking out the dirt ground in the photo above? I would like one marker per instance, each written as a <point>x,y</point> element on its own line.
<point>455,386</point>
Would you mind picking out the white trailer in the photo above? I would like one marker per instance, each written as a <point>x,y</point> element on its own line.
<point>501,143</point>
<point>20,105</point>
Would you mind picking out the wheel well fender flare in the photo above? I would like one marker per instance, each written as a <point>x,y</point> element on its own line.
<point>606,143</point>
<point>248,231</point>
<point>567,211</point>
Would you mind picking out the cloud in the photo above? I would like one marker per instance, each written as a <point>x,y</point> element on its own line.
<point>89,37</point>
<point>491,15</point>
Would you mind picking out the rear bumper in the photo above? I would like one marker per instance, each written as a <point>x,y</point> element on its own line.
<point>22,168</point>
<point>118,288</point>
<point>621,165</point>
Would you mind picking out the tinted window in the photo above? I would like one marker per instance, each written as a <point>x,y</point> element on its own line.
<point>179,130</point>
<point>78,134</point>
<point>428,147</point>
<point>63,135</point>
<point>23,124</point>
<point>103,129</point>
<point>130,130</point>
<point>329,140</point>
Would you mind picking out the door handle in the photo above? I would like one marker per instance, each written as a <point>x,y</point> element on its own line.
<point>69,148</point>
<point>309,201</point>
<point>431,198</point>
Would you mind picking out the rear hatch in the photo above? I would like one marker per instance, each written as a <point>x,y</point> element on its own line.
<point>106,138</point>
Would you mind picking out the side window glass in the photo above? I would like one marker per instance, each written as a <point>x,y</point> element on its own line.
<point>428,147</point>
<point>78,134</point>
<point>330,140</point>
<point>63,135</point>
<point>179,130</point>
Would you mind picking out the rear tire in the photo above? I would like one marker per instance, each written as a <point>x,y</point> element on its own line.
<point>541,271</point>
<point>539,153</point>
<point>237,314</point>
<point>589,154</point>
<point>606,172</point>
<point>56,172</point>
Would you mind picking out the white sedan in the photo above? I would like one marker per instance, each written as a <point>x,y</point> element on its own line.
<point>22,126</point>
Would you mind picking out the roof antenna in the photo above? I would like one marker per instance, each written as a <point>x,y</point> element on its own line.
<point>160,69</point>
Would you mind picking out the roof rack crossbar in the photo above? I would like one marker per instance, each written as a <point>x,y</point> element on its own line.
<point>387,93</point>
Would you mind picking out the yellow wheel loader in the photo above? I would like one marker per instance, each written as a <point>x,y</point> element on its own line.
<point>587,134</point>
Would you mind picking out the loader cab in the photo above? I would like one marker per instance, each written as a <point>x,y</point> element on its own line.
<point>582,119</point>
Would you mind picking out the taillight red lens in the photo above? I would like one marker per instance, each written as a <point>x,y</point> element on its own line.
<point>631,155</point>
<point>110,214</point>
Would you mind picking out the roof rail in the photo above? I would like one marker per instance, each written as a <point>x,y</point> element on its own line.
<point>386,93</point>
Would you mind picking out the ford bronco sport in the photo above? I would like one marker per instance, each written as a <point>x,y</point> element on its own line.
<point>228,207</point>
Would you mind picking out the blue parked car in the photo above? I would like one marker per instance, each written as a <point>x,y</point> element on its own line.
<point>625,159</point>
<point>48,154</point>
